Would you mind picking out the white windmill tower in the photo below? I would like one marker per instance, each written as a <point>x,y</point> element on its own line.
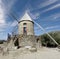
<point>26,25</point>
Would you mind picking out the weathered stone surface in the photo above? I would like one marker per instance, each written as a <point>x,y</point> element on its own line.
<point>24,40</point>
<point>27,41</point>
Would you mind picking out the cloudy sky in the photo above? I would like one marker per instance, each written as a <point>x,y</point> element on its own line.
<point>44,12</point>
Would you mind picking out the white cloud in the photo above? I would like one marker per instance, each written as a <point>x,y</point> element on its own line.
<point>53,7</point>
<point>1,30</point>
<point>7,7</point>
<point>46,3</point>
<point>3,10</point>
<point>35,15</point>
<point>53,16</point>
<point>3,24</point>
<point>52,27</point>
<point>2,18</point>
<point>56,16</point>
<point>14,23</point>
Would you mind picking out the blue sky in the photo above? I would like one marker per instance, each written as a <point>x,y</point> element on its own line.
<point>44,12</point>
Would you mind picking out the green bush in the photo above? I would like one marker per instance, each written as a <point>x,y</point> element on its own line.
<point>46,40</point>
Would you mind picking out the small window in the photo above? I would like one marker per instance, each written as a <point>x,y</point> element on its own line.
<point>24,30</point>
<point>24,23</point>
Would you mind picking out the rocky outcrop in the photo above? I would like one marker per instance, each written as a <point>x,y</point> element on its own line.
<point>25,41</point>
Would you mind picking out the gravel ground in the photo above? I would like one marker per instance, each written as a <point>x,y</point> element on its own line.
<point>42,53</point>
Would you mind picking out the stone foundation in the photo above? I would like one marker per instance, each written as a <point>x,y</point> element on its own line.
<point>26,41</point>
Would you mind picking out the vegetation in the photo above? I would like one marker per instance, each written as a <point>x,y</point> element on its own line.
<point>46,40</point>
<point>2,41</point>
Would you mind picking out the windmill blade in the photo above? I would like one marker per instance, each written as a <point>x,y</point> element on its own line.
<point>14,30</point>
<point>10,13</point>
<point>46,33</point>
<point>14,16</point>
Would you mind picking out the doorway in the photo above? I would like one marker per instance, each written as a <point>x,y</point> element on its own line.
<point>16,43</point>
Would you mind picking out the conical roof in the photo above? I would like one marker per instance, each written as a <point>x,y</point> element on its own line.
<point>26,17</point>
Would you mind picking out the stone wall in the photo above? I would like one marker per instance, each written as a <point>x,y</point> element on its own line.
<point>30,27</point>
<point>26,40</point>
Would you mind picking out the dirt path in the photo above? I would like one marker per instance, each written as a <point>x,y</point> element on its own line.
<point>43,53</point>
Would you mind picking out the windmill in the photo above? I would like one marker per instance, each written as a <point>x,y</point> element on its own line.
<point>15,19</point>
<point>13,15</point>
<point>43,31</point>
<point>25,25</point>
